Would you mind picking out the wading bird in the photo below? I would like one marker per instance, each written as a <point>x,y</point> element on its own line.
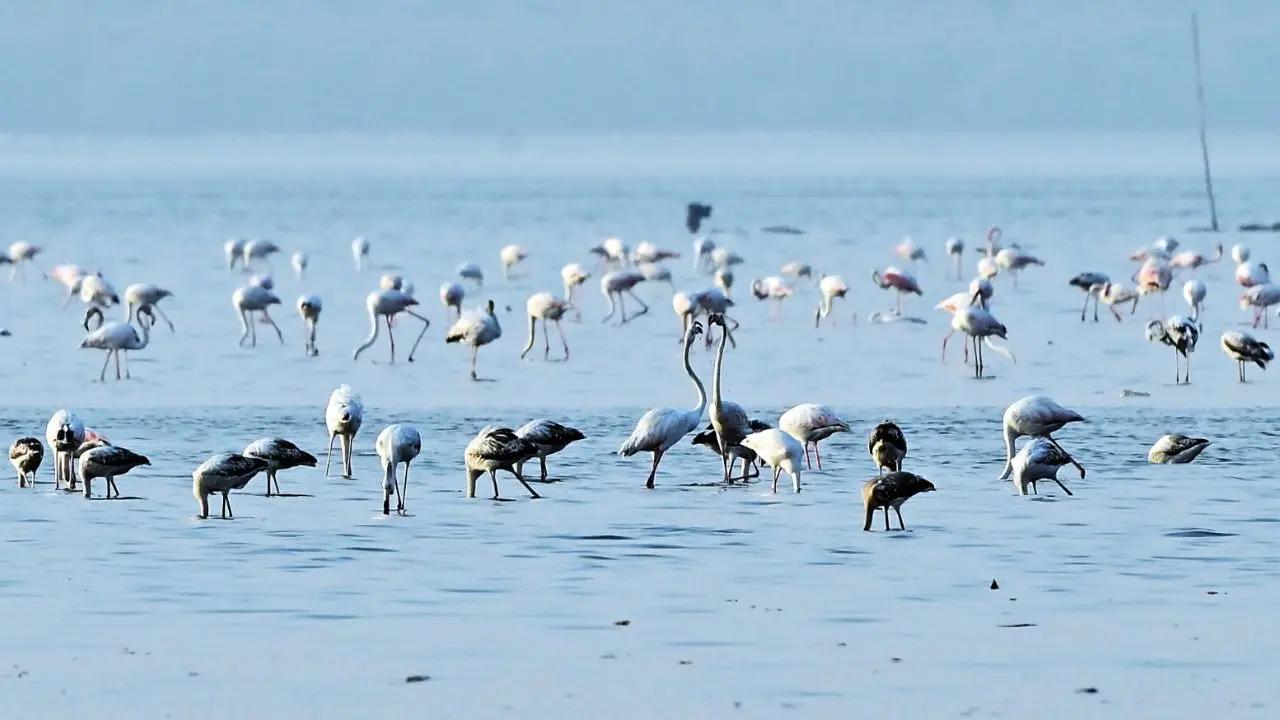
<point>299,263</point>
<point>1190,259</point>
<point>1034,416</point>
<point>1245,348</point>
<point>616,283</point>
<point>797,270</point>
<point>115,337</point>
<point>779,451</point>
<point>545,307</point>
<point>65,432</point>
<point>1260,298</point>
<point>396,444</point>
<point>703,247</point>
<point>20,254</point>
<point>1180,334</point>
<point>1112,294</point>
<point>279,454</point>
<point>140,294</point>
<point>891,491</point>
<point>810,424</point>
<point>954,247</point>
<point>451,296</point>
<point>549,437</point>
<point>386,304</point>
<point>248,300</point>
<point>1087,281</point>
<point>661,428</point>
<point>343,417</point>
<point>1249,274</point>
<point>233,249</point>
<point>359,251</point>
<point>772,288</point>
<point>1193,291</point>
<point>980,325</point>
<point>647,252</point>
<point>255,250</point>
<point>887,447</point>
<point>908,250</point>
<point>222,473</point>
<point>472,272</point>
<point>728,419</point>
<point>494,449</point>
<point>830,287</point>
<point>1015,261</point>
<point>902,283</point>
<point>573,275</point>
<point>25,455</point>
<point>1176,449</point>
<point>511,255</point>
<point>475,329</point>
<point>309,307</point>
<point>108,461</point>
<point>1039,460</point>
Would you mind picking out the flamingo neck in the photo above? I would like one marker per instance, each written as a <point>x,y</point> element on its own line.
<point>1009,436</point>
<point>715,373</point>
<point>529,345</point>
<point>688,368</point>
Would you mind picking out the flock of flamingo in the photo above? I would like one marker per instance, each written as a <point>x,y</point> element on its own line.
<point>744,444</point>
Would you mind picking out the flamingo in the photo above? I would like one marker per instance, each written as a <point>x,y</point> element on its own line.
<point>1260,298</point>
<point>661,428</point>
<point>359,251</point>
<point>549,437</point>
<point>476,329</point>
<point>656,273</point>
<point>685,305</point>
<point>1086,282</point>
<point>258,250</point>
<point>248,300</point>
<point>1245,348</point>
<point>1038,460</point>
<point>495,449</point>
<point>397,443</point>
<point>723,258</point>
<point>573,276</point>
<point>1015,261</point>
<point>511,255</point>
<point>65,432</point>
<point>472,272</point>
<point>70,277</point>
<point>987,268</point>
<point>891,491</point>
<point>451,296</point>
<point>391,281</point>
<point>20,254</point>
<point>139,294</point>
<point>723,280</point>
<point>545,307</point>
<point>1176,449</point>
<point>953,304</point>
<point>830,287</point>
<point>1239,254</point>
<point>343,417</point>
<point>779,451</point>
<point>233,249</point>
<point>909,251</point>
<point>115,337</point>
<point>993,241</point>
<point>612,252</point>
<point>748,456</point>
<point>1112,294</point>
<point>222,473</point>
<point>903,283</point>
<point>309,307</point>
<point>1193,291</point>
<point>95,291</point>
<point>280,454</point>
<point>772,288</point>
<point>797,270</point>
<point>703,247</point>
<point>299,263</point>
<point>1154,276</point>
<point>108,461</point>
<point>1191,260</point>
<point>810,424</point>
<point>262,281</point>
<point>1249,274</point>
<point>728,419</point>
<point>954,247</point>
<point>980,325</point>
<point>25,455</point>
<point>887,447</point>
<point>387,304</point>
<point>616,283</point>
<point>647,252</point>
<point>1034,416</point>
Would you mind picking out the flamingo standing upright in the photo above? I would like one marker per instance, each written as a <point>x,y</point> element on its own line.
<point>830,287</point>
<point>25,455</point>
<point>494,449</point>
<point>475,329</point>
<point>299,263</point>
<point>954,247</point>
<point>139,294</point>
<point>1086,281</point>
<point>20,254</point>
<point>115,337</point>
<point>280,454</point>
<point>387,304</point>
<point>616,283</point>
<point>511,255</point>
<point>661,428</point>
<point>398,443</point>
<point>309,307</point>
<point>548,308</point>
<point>1193,291</point>
<point>359,251</point>
<point>108,461</point>
<point>728,419</point>
<point>222,473</point>
<point>1245,348</point>
<point>901,282</point>
<point>549,437</point>
<point>65,432</point>
<point>343,417</point>
<point>573,275</point>
<point>1260,298</point>
<point>451,296</point>
<point>248,300</point>
<point>1154,276</point>
<point>810,424</point>
<point>980,325</point>
<point>1034,416</point>
<point>647,252</point>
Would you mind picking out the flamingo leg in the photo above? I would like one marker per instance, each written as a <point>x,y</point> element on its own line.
<point>117,354</point>
<point>1085,309</point>
<point>102,376</point>
<point>622,305</point>
<point>542,461</point>
<point>493,475</point>
<point>546,341</point>
<point>776,472</point>
<point>404,491</point>
<point>898,510</point>
<point>724,456</point>
<point>391,335</point>
<point>945,338</point>
<point>267,316</point>
<point>329,462</point>
<point>532,493</point>
<point>563,341</point>
<point>475,350</point>
<point>609,296</point>
<point>425,324</point>
<point>657,457</point>
<point>886,517</point>
<point>817,454</point>
<point>808,464</point>
<point>643,307</point>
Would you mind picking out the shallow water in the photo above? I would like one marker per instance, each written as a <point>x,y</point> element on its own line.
<point>1149,585</point>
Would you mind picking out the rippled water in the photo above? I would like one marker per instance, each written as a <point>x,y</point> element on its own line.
<point>1152,585</point>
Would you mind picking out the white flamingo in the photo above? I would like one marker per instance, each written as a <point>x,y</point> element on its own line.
<point>25,455</point>
<point>343,417</point>
<point>1260,298</point>
<point>511,255</point>
<point>280,454</point>
<point>779,451</point>
<point>661,428</point>
<point>728,419</point>
<point>545,307</point>
<point>494,449</point>
<point>1015,261</point>
<point>908,250</point>
<point>387,304</point>
<point>299,263</point>
<point>723,280</point>
<point>1191,260</point>
<point>108,461</point>
<point>475,329</point>
<point>222,473</point>
<point>616,283</point>
<point>248,300</point>
<point>685,305</point>
<point>233,249</point>
<point>722,258</point>
<point>954,247</point>
<point>70,277</point>
<point>903,283</point>
<point>811,423</point>
<point>1249,274</point>
<point>115,337</point>
<point>1038,460</point>
<point>139,294</point>
<point>1193,291</point>
<point>1034,416</point>
<point>263,281</point>
<point>987,268</point>
<point>573,275</point>
<point>396,444</point>
<point>359,251</point>
<point>309,307</point>
<point>647,252</point>
<point>830,287</point>
<point>703,246</point>
<point>96,291</point>
<point>65,433</point>
<point>772,288</point>
<point>451,296</point>
<point>1112,294</point>
<point>980,325</point>
<point>1245,348</point>
<point>20,254</point>
<point>255,250</point>
<point>797,270</point>
<point>1239,254</point>
<point>471,271</point>
<point>549,437</point>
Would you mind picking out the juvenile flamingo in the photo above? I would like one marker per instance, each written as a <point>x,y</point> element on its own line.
<point>810,424</point>
<point>475,329</point>
<point>545,307</point>
<point>903,283</point>
<point>387,304</point>
<point>309,307</point>
<point>248,300</point>
<point>1245,348</point>
<point>396,444</point>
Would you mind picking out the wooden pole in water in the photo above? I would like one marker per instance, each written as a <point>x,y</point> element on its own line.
<point>1204,142</point>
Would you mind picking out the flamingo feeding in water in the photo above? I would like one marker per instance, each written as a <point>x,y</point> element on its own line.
<point>1176,449</point>
<point>387,304</point>
<point>65,433</point>
<point>343,417</point>
<point>511,255</point>
<point>139,294</point>
<point>1245,348</point>
<point>475,329</point>
<point>20,254</point>
<point>255,250</point>
<point>494,449</point>
<point>545,307</point>
<point>810,424</point>
<point>451,296</point>
<point>549,437</point>
<point>233,249</point>
<point>359,251</point>
<point>903,283</point>
<point>954,247</point>
<point>1087,281</point>
<point>647,252</point>
<point>396,444</point>
<point>1193,291</point>
<point>472,272</point>
<point>661,428</point>
<point>223,473</point>
<point>909,251</point>
<point>830,287</point>
<point>703,247</point>
<point>25,455</point>
<point>1038,460</point>
<point>779,451</point>
<point>797,270</point>
<point>573,275</point>
<point>248,300</point>
<point>108,461</point>
<point>1034,416</point>
<point>1191,260</point>
<point>891,491</point>
<point>309,307</point>
<point>280,454</point>
<point>616,283</point>
<point>1249,274</point>
<point>772,288</point>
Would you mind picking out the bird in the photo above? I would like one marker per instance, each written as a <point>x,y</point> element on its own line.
<point>115,337</point>
<point>993,241</point>
<point>545,307</point>
<point>1249,274</point>
<point>954,248</point>
<point>70,277</point>
<point>1260,298</point>
<point>647,252</point>
<point>707,438</point>
<point>511,255</point>
<point>1039,460</point>
<point>573,275</point>
<point>359,251</point>
<point>1176,449</point>
<point>830,287</point>
<point>654,272</point>
<point>387,304</point>
<point>1190,259</point>
<point>108,461</point>
<point>1154,276</point>
<point>908,250</point>
<point>1034,416</point>
<point>723,258</point>
<point>661,428</point>
<point>397,443</point>
<point>772,288</point>
<point>695,213</point>
<point>686,307</point>
<point>139,294</point>
<point>65,432</point>
<point>616,283</point>
<point>900,281</point>
<point>1166,245</point>
<point>494,449</point>
<point>258,250</point>
<point>1112,294</point>
<point>891,491</point>
<point>19,255</point>
<point>233,249</point>
<point>25,455</point>
<point>309,307</point>
<point>392,281</point>
<point>1087,281</point>
<point>476,329</point>
<point>472,272</point>
<point>222,473</point>
<point>810,424</point>
<point>1015,261</point>
<point>703,247</point>
<point>728,419</point>
<point>1245,348</point>
<point>612,252</point>
<point>987,267</point>
<point>1180,334</point>
<point>953,304</point>
<point>887,447</point>
<point>248,300</point>
<point>797,270</point>
<point>980,325</point>
<point>723,280</point>
<point>280,454</point>
<point>779,451</point>
<point>1239,254</point>
<point>96,291</point>
<point>451,296</point>
<point>1193,291</point>
<point>263,281</point>
<point>343,417</point>
<point>299,263</point>
<point>549,437</point>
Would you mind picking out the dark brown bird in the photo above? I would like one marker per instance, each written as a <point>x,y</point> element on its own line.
<point>749,457</point>
<point>25,455</point>
<point>494,449</point>
<point>887,446</point>
<point>890,491</point>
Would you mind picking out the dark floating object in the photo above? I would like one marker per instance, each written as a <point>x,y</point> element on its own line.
<point>782,230</point>
<point>994,585</point>
<point>622,623</point>
<point>695,214</point>
<point>1019,625</point>
<point>417,678</point>
<point>1260,227</point>
<point>1088,691</point>
<point>895,659</point>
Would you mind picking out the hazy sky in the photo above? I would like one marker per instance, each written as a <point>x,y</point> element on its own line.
<point>310,66</point>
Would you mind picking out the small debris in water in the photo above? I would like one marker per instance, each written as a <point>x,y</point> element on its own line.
<point>896,660</point>
<point>994,585</point>
<point>193,673</point>
<point>686,662</point>
<point>1215,592</point>
<point>622,623</point>
<point>842,644</point>
<point>417,678</point>
<point>1088,691</point>
<point>1019,625</point>
<point>608,656</point>
<point>1126,393</point>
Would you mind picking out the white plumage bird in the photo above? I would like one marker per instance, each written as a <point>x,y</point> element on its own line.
<point>359,251</point>
<point>613,285</point>
<point>343,417</point>
<point>451,296</point>
<point>114,338</point>
<point>548,308</point>
<point>299,263</point>
<point>475,329</point>
<point>811,423</point>
<point>511,255</point>
<point>255,250</point>
<point>139,294</point>
<point>1034,416</point>
<point>65,432</point>
<point>309,308</point>
<point>396,444</point>
<point>780,451</point>
<point>386,304</point>
<point>1245,348</point>
<point>661,428</point>
<point>1038,460</point>
<point>248,300</point>
<point>830,287</point>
